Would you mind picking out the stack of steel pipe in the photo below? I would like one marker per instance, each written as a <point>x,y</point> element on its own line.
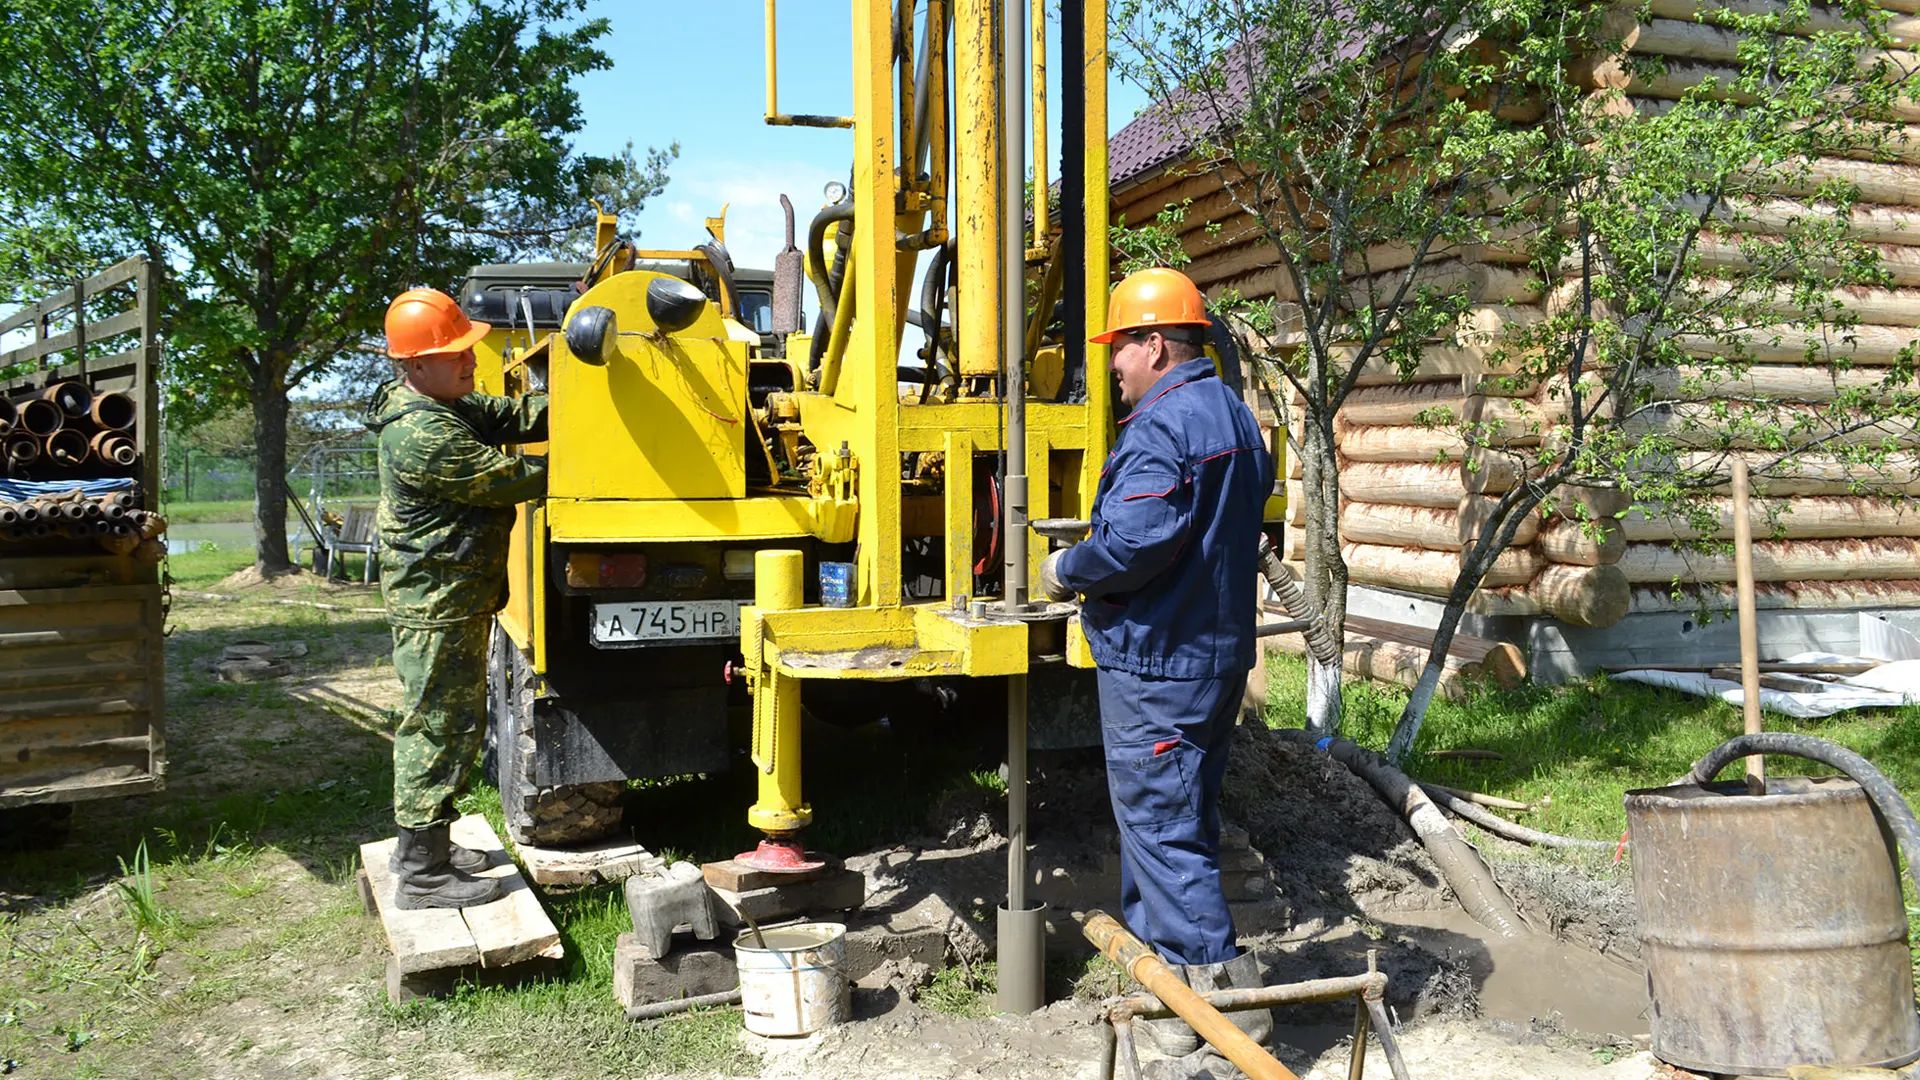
<point>113,521</point>
<point>65,429</point>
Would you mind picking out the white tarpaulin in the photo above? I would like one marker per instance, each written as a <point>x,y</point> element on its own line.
<point>1890,684</point>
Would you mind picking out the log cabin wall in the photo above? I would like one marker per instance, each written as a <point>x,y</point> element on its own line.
<point>1409,498</point>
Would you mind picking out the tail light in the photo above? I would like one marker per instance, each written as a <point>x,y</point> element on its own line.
<point>607,570</point>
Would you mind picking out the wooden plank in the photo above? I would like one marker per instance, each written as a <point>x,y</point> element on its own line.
<point>614,859</point>
<point>419,940</point>
<point>76,791</point>
<point>514,927</point>
<point>123,271</point>
<point>84,594</point>
<point>83,675</point>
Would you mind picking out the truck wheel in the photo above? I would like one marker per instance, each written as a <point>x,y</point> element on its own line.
<point>540,816</point>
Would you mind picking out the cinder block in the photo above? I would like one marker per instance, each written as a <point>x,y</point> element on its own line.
<point>639,979</point>
<point>661,905</point>
<point>837,890</point>
<point>870,946</point>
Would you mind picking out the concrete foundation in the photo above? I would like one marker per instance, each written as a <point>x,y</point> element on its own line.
<point>1557,652</point>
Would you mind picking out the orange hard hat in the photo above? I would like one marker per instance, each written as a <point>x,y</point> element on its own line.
<point>423,322</point>
<point>1150,299</point>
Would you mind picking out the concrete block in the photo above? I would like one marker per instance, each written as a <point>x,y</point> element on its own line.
<point>837,890</point>
<point>880,952</point>
<point>661,905</point>
<point>639,979</point>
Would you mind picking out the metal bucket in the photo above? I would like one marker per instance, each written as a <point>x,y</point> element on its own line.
<point>793,979</point>
<point>1772,927</point>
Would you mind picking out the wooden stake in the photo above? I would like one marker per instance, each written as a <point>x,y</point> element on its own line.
<point>1749,631</point>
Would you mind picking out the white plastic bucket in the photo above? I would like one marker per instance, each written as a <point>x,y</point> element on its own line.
<point>793,979</point>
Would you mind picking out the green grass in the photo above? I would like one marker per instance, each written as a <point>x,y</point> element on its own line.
<point>1574,751</point>
<point>208,513</point>
<point>201,569</point>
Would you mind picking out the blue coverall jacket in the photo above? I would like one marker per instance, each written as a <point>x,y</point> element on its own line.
<point>1168,570</point>
<point>1168,573</point>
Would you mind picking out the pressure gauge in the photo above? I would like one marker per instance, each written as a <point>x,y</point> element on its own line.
<point>835,191</point>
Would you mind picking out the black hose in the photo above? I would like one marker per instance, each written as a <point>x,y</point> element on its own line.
<point>1886,798</point>
<point>933,304</point>
<point>829,284</point>
<point>722,264</point>
<point>817,251</point>
<point>1500,826</point>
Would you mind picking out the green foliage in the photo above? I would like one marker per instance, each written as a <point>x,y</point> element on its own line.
<point>1426,173</point>
<point>293,165</point>
<point>1156,243</point>
<point>962,991</point>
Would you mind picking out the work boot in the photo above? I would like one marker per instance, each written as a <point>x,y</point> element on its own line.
<point>428,878</point>
<point>464,859</point>
<point>1173,1037</point>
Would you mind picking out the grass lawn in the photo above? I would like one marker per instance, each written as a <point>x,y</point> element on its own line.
<point>1574,751</point>
<point>206,513</point>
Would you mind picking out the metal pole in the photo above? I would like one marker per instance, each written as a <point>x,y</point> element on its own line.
<point>1749,627</point>
<point>1147,969</point>
<point>1021,939</point>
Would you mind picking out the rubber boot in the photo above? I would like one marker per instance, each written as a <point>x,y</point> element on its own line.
<point>428,878</point>
<point>1240,973</point>
<point>1173,1038</point>
<point>464,859</point>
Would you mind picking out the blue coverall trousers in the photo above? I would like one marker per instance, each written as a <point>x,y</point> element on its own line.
<point>1166,745</point>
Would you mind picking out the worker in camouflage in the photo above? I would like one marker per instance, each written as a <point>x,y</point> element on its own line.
<point>447,498</point>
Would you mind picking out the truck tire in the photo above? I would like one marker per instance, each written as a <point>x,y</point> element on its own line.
<point>539,816</point>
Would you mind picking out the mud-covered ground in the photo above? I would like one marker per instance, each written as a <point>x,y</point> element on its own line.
<point>253,960</point>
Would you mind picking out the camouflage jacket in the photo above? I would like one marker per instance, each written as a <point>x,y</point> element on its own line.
<point>447,497</point>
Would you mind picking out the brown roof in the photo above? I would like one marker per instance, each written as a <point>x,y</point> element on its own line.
<point>1166,131</point>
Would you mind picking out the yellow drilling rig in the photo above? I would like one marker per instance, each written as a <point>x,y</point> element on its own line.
<point>823,514</point>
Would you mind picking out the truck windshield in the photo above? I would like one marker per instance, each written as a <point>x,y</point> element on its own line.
<point>756,310</point>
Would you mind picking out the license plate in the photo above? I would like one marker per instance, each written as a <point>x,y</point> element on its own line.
<point>666,622</point>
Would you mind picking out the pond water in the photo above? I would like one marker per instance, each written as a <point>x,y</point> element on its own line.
<point>225,535</point>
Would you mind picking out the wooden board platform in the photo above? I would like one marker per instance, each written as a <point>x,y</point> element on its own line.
<point>432,947</point>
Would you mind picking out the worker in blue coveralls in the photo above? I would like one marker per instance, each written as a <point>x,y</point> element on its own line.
<point>1168,575</point>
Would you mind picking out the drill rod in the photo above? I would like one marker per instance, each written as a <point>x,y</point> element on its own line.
<point>1150,971</point>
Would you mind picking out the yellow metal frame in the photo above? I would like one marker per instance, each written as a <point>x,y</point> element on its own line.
<point>854,416</point>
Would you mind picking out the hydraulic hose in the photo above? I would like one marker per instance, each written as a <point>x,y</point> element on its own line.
<point>1886,798</point>
<point>826,286</point>
<point>1458,862</point>
<point>1294,599</point>
<point>1500,826</point>
<point>722,264</point>
<point>933,304</point>
<point>831,280</point>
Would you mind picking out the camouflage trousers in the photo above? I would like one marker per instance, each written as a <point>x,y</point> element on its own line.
<point>443,721</point>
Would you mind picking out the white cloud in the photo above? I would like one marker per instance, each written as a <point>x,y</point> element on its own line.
<point>756,230</point>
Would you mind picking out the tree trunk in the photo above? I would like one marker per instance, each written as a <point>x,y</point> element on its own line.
<point>270,469</point>
<point>1475,561</point>
<point>1326,571</point>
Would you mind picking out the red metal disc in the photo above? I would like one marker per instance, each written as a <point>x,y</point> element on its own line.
<point>779,856</point>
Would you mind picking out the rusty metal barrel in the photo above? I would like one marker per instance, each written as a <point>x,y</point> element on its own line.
<point>1772,927</point>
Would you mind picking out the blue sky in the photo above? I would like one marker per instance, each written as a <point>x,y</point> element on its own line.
<point>695,73</point>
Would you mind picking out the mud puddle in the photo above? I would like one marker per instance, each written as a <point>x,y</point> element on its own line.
<point>1535,979</point>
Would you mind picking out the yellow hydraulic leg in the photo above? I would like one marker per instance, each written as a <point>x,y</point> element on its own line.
<point>778,812</point>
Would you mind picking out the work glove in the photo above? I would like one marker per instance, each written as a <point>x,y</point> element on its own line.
<point>1050,582</point>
